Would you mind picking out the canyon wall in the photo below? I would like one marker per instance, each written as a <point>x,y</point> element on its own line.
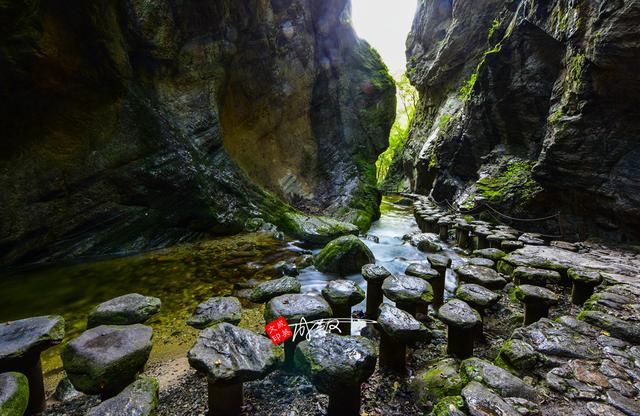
<point>530,107</point>
<point>128,125</point>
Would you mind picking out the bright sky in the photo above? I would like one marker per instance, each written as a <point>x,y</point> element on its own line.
<point>385,24</point>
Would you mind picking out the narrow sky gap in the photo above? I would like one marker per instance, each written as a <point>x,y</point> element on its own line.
<point>385,25</point>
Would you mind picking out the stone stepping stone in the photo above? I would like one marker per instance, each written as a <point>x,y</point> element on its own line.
<point>462,323</point>
<point>293,308</point>
<point>583,284</point>
<point>495,240</point>
<point>399,328</point>
<point>421,270</point>
<point>342,295</point>
<point>440,264</point>
<point>21,343</point>
<point>343,256</point>
<point>479,261</point>
<point>497,379</point>
<point>444,224</point>
<point>139,399</point>
<point>537,301</point>
<point>124,310</point>
<point>532,239</point>
<point>517,355</point>
<point>438,381</point>
<point>230,356</point>
<point>463,229</point>
<point>625,330</point>
<point>408,292</point>
<point>337,366</point>
<point>266,291</point>
<point>511,245</point>
<point>216,310</point>
<point>480,234</point>
<point>490,253</point>
<point>482,401</point>
<point>14,394</point>
<point>533,276</point>
<point>374,275</point>
<point>482,276</point>
<point>426,242</point>
<point>478,297</point>
<point>106,359</point>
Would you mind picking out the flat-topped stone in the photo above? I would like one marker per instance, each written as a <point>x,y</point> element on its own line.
<point>229,355</point>
<point>530,275</point>
<point>407,289</point>
<point>478,297</point>
<point>105,359</point>
<point>343,293</point>
<point>140,398</point>
<point>266,291</point>
<point>511,245</point>
<point>14,394</point>
<point>532,239</point>
<point>421,270</point>
<point>480,261</point>
<point>531,293</point>
<point>400,325</point>
<point>458,314</point>
<point>482,276</point>
<point>494,254</point>
<point>373,272</point>
<point>437,381</point>
<point>294,307</point>
<point>31,335</point>
<point>499,236</point>
<point>439,261</point>
<point>426,242</point>
<point>216,310</point>
<point>132,308</point>
<point>497,379</point>
<point>588,277</point>
<point>344,256</point>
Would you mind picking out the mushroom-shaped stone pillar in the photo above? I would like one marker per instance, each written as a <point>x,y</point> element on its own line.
<point>14,394</point>
<point>495,240</point>
<point>408,292</point>
<point>374,275</point>
<point>124,310</point>
<point>229,356</point>
<point>106,359</point>
<point>342,295</point>
<point>293,308</point>
<point>482,276</point>
<point>423,271</point>
<point>462,233</point>
<point>439,263</point>
<point>478,297</point>
<point>337,366</point>
<point>443,228</point>
<point>216,310</point>
<point>583,283</point>
<point>21,343</point>
<point>480,234</point>
<point>266,291</point>
<point>398,329</point>
<point>539,277</point>
<point>462,323</point>
<point>537,301</point>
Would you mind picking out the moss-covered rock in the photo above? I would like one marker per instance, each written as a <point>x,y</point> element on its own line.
<point>438,381</point>
<point>517,356</point>
<point>14,394</point>
<point>449,406</point>
<point>345,255</point>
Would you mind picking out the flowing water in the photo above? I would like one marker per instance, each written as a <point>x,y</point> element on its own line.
<point>186,275</point>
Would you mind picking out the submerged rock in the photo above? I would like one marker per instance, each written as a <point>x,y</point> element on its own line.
<point>124,310</point>
<point>138,399</point>
<point>344,256</point>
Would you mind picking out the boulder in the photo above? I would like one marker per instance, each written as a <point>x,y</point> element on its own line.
<point>14,394</point>
<point>481,401</point>
<point>517,355</point>
<point>139,399</point>
<point>124,310</point>
<point>482,276</point>
<point>407,292</point>
<point>426,242</point>
<point>216,310</point>
<point>438,381</point>
<point>344,256</point>
<point>105,359</point>
<point>268,290</point>
<point>317,230</point>
<point>497,379</point>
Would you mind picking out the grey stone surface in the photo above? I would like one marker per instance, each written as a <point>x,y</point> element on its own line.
<point>536,294</point>
<point>266,291</point>
<point>482,276</point>
<point>401,325</point>
<point>407,289</point>
<point>481,401</point>
<point>421,270</point>
<point>458,314</point>
<point>477,296</point>
<point>139,399</point>
<point>497,379</point>
<point>294,307</point>
<point>216,310</point>
<point>343,293</point>
<point>18,338</point>
<point>373,272</point>
<point>14,394</point>
<point>132,308</point>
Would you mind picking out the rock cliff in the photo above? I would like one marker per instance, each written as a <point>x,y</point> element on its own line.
<point>135,124</point>
<point>530,107</point>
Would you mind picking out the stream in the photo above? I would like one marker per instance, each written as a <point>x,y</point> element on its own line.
<point>184,276</point>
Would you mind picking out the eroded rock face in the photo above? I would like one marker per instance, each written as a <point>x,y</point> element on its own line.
<point>530,107</point>
<point>159,122</point>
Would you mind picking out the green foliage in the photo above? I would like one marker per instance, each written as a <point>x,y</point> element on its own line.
<point>406,109</point>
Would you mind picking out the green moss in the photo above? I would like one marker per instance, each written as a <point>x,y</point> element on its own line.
<point>447,406</point>
<point>495,25</point>
<point>515,181</point>
<point>505,267</point>
<point>444,120</point>
<point>16,403</point>
<point>556,116</point>
<point>440,381</point>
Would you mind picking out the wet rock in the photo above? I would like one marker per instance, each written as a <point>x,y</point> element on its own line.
<point>449,406</point>
<point>462,323</point>
<point>537,301</point>
<point>14,394</point>
<point>478,297</point>
<point>482,276</point>
<point>583,281</point>
<point>483,402</point>
<point>551,338</point>
<point>216,310</point>
<point>373,272</point>
<point>517,355</point>
<point>438,381</point>
<point>344,256</point>
<point>343,293</point>
<point>400,325</point>
<point>439,261</point>
<point>105,359</point>
<point>266,291</point>
<point>139,399</point>
<point>602,409</point>
<point>426,242</point>
<point>532,239</point>
<point>407,292</point>
<point>124,310</point>
<point>317,230</point>
<point>523,406</point>
<point>627,405</point>
<point>480,261</point>
<point>531,276</point>
<point>422,270</point>
<point>65,392</point>
<point>337,365</point>
<point>499,380</point>
<point>490,253</point>
<point>629,331</point>
<point>374,275</point>
<point>286,268</point>
<point>294,307</point>
<point>510,245</point>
